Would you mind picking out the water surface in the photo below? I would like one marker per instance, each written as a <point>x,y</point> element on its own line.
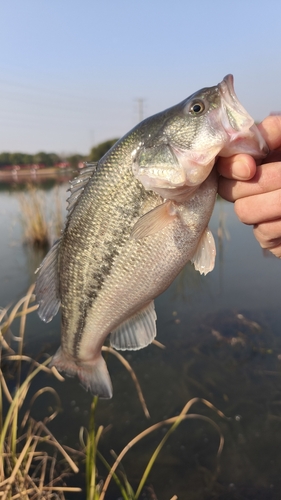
<point>223,343</point>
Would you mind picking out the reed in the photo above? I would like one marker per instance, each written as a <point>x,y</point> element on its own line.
<point>40,227</point>
<point>27,470</point>
<point>98,491</point>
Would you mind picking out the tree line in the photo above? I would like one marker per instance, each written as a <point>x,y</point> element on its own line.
<point>53,159</point>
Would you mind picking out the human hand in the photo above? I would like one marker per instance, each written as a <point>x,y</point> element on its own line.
<point>256,191</point>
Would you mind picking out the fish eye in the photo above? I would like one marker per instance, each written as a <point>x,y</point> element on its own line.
<point>197,108</point>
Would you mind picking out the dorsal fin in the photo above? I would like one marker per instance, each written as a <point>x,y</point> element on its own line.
<point>78,184</point>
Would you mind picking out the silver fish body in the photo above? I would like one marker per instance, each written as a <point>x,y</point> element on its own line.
<point>135,219</point>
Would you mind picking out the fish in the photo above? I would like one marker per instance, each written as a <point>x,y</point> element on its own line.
<point>135,218</point>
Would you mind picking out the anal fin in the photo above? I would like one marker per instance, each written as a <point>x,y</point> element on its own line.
<point>205,254</point>
<point>137,332</point>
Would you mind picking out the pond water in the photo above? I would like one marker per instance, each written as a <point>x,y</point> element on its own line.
<point>222,343</point>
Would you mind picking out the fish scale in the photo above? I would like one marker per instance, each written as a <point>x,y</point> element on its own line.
<point>85,281</point>
<point>135,219</point>
<point>147,268</point>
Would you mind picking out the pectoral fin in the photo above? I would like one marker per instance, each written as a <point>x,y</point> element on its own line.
<point>137,332</point>
<point>154,221</point>
<point>204,257</point>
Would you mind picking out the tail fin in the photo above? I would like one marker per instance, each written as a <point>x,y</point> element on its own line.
<point>93,375</point>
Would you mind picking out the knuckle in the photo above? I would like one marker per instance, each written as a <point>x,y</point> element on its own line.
<point>241,211</point>
<point>267,235</point>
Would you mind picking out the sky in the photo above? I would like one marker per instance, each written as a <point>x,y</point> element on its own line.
<point>74,73</point>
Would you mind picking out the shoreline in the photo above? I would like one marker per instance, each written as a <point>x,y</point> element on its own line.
<point>35,173</point>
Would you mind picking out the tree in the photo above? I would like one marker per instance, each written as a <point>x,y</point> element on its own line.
<point>46,159</point>
<point>27,159</point>
<point>17,158</point>
<point>54,158</point>
<point>5,159</point>
<point>73,160</point>
<point>97,152</point>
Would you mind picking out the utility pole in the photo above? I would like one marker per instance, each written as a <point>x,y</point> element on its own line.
<point>140,108</point>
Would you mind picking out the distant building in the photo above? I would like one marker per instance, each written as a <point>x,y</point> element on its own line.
<point>33,166</point>
<point>62,164</point>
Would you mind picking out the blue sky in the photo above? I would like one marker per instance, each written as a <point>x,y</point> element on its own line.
<point>71,71</point>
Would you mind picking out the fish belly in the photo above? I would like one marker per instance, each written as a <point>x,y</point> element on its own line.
<point>146,267</point>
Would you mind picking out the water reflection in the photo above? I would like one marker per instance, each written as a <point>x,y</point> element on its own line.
<point>45,182</point>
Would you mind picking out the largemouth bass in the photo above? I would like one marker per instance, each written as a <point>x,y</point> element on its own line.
<point>134,220</point>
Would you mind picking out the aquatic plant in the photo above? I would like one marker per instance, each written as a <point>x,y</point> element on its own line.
<point>27,469</point>
<point>33,464</point>
<point>40,226</point>
<point>126,489</point>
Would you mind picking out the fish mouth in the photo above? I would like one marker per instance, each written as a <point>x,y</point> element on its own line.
<point>238,124</point>
<point>237,116</point>
<point>229,96</point>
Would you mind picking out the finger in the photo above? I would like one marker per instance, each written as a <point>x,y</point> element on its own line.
<point>267,178</point>
<point>240,167</point>
<point>259,208</point>
<point>270,128</point>
<point>266,233</point>
<point>276,251</point>
<point>273,156</point>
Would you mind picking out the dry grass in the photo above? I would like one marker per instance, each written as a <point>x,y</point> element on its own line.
<point>33,464</point>
<point>40,226</point>
<point>174,422</point>
<point>27,470</point>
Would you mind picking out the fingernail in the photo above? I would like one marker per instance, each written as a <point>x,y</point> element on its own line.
<point>241,170</point>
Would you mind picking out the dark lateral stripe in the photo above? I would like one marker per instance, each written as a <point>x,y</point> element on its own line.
<point>126,215</point>
<point>95,284</point>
